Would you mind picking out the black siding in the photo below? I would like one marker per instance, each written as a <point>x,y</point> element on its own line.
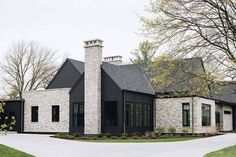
<point>76,95</point>
<point>111,92</point>
<point>130,96</point>
<point>234,117</point>
<point>16,106</point>
<point>66,77</point>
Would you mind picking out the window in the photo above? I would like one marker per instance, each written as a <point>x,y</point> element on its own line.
<point>55,113</point>
<point>138,114</point>
<point>227,112</point>
<point>206,115</point>
<point>110,113</point>
<point>78,114</point>
<point>34,113</point>
<point>186,114</point>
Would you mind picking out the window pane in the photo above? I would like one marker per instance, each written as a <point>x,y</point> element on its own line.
<point>110,113</point>
<point>206,115</point>
<point>186,114</point>
<point>55,113</point>
<point>34,113</point>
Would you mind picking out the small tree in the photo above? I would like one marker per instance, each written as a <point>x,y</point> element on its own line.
<point>144,53</point>
<point>6,123</point>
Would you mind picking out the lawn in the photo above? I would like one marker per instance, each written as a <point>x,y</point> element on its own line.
<point>227,152</point>
<point>130,140</point>
<point>10,152</point>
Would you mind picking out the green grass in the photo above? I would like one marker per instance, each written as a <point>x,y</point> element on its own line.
<point>169,139</point>
<point>10,152</point>
<point>227,152</point>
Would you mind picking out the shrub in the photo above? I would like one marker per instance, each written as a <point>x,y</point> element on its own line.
<point>100,135</point>
<point>160,130</point>
<point>77,135</point>
<point>184,131</point>
<point>171,130</point>
<point>153,135</point>
<point>124,135</point>
<point>107,135</point>
<point>148,134</point>
<point>138,134</point>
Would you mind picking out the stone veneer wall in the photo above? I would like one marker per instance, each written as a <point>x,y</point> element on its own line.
<point>92,84</point>
<point>169,113</point>
<point>44,99</point>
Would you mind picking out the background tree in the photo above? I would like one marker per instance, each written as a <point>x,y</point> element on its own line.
<point>188,28</point>
<point>144,53</point>
<point>28,66</point>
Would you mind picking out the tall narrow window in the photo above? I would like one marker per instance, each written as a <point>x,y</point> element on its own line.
<point>55,113</point>
<point>110,113</point>
<point>206,115</point>
<point>78,114</point>
<point>34,113</point>
<point>186,114</point>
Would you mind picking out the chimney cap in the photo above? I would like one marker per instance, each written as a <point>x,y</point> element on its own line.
<point>92,43</point>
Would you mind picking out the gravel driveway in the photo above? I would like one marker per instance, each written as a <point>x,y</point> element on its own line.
<point>44,146</point>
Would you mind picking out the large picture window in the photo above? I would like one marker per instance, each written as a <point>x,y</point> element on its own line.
<point>186,114</point>
<point>34,113</point>
<point>110,113</point>
<point>55,113</point>
<point>138,114</point>
<point>206,115</point>
<point>78,114</point>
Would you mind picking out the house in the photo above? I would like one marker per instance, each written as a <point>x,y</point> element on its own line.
<point>97,96</point>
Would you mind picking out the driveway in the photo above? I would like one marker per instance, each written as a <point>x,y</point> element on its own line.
<point>44,146</point>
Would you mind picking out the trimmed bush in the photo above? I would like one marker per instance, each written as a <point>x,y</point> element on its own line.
<point>160,130</point>
<point>171,131</point>
<point>107,135</point>
<point>185,131</point>
<point>100,135</point>
<point>138,134</point>
<point>124,135</point>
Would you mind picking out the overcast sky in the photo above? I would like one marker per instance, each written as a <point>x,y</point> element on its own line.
<point>65,24</point>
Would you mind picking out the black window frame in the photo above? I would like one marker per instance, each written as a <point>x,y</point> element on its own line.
<point>34,113</point>
<point>78,114</point>
<point>186,122</point>
<point>55,113</point>
<point>208,121</point>
<point>110,113</point>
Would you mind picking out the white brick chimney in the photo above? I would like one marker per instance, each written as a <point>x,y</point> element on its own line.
<point>92,78</point>
<point>117,60</point>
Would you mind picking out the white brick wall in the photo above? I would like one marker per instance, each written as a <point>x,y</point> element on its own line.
<point>93,62</point>
<point>169,113</point>
<point>44,99</point>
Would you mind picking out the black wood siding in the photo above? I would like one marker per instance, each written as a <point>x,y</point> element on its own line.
<point>17,107</point>
<point>66,77</point>
<point>234,117</point>
<point>111,92</point>
<point>76,95</point>
<point>140,98</point>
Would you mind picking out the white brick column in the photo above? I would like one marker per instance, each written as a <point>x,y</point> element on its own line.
<point>92,78</point>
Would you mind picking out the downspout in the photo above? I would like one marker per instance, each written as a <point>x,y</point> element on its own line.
<point>192,114</point>
<point>124,113</point>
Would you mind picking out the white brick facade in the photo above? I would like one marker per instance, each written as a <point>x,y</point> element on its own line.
<point>44,99</point>
<point>169,114</point>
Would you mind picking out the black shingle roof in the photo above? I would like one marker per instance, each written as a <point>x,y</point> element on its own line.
<point>77,64</point>
<point>128,78</point>
<point>226,92</point>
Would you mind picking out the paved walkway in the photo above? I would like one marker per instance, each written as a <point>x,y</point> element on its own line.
<point>44,146</point>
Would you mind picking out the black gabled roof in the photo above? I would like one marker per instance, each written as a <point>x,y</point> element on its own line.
<point>129,79</point>
<point>77,64</point>
<point>225,92</point>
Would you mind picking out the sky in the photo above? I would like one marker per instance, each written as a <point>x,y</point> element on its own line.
<point>63,25</point>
